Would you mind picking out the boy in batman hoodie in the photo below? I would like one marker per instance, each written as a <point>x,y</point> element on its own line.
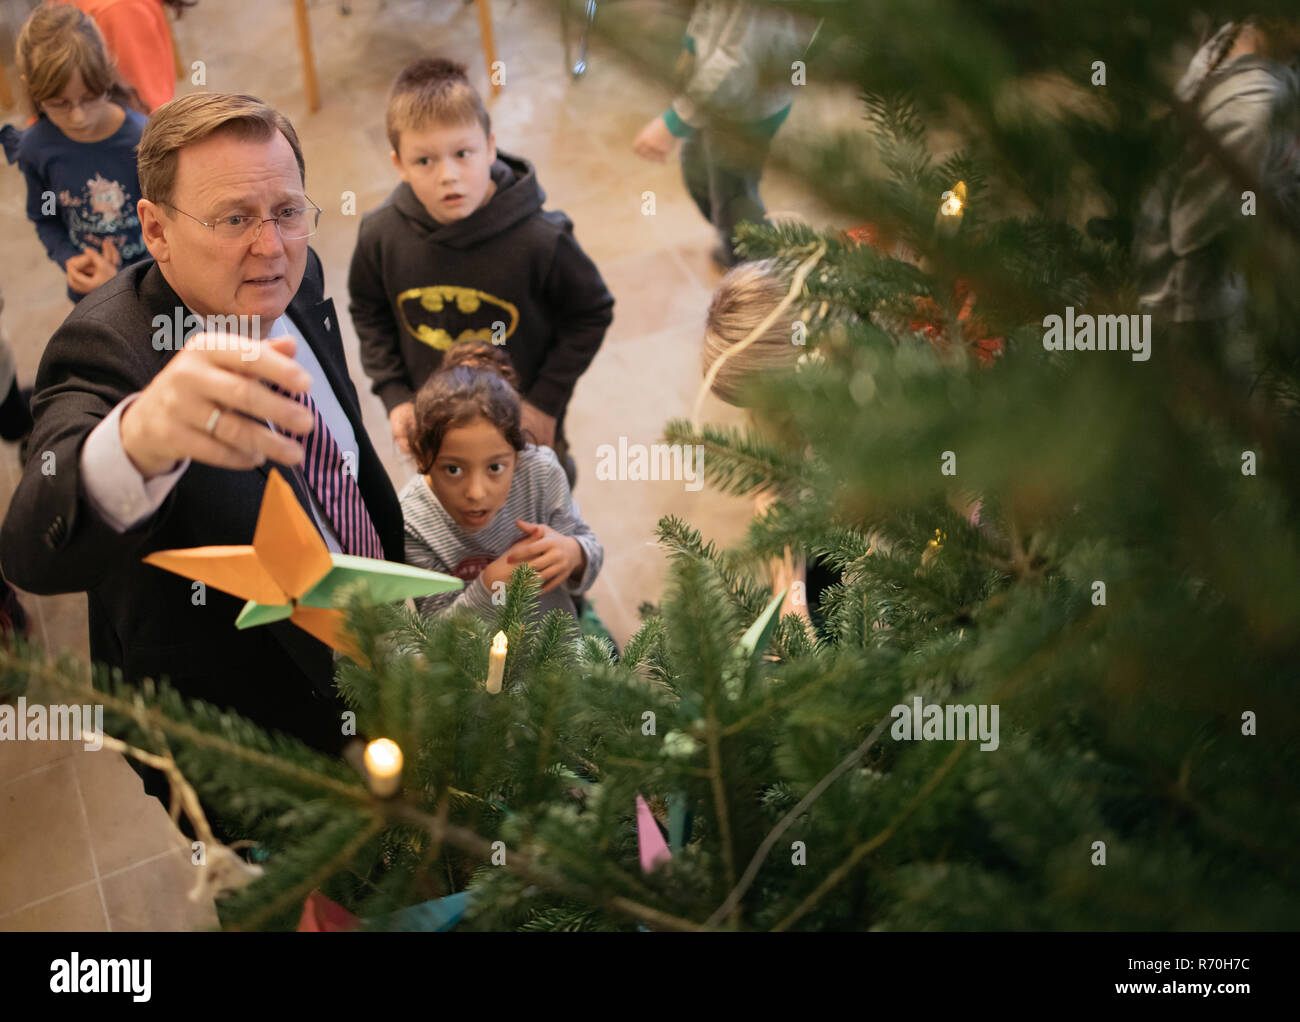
<point>462,250</point>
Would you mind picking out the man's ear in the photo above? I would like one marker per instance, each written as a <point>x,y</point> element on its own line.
<point>153,228</point>
<point>492,148</point>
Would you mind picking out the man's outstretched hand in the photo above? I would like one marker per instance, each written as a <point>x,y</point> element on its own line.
<point>168,421</point>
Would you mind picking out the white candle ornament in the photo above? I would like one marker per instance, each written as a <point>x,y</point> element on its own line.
<point>497,663</point>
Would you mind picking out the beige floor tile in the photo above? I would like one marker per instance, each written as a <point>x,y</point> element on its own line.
<point>18,759</point>
<point>126,825</point>
<point>154,896</point>
<point>697,259</point>
<point>44,843</point>
<point>651,293</point>
<point>66,624</point>
<point>80,910</point>
<point>620,228</point>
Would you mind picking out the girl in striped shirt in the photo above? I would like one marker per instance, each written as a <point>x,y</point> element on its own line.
<point>485,500</point>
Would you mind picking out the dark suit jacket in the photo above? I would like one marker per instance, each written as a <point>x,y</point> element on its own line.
<point>142,619</point>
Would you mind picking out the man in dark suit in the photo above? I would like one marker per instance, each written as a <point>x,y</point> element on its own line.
<point>138,446</point>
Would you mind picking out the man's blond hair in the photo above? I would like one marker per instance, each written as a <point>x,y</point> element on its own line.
<point>189,120</point>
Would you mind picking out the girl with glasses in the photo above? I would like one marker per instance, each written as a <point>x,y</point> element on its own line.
<point>79,155</point>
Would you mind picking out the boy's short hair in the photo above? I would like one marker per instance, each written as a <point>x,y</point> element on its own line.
<point>190,119</point>
<point>432,90</point>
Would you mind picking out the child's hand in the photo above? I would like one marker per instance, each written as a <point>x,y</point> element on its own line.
<point>684,66</point>
<point>558,557</point>
<point>93,268</point>
<point>654,141</point>
<point>80,272</point>
<point>400,421</point>
<point>786,571</point>
<point>498,571</point>
<point>538,423</point>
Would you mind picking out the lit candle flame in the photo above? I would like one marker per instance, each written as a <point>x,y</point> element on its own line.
<point>384,766</point>
<point>954,200</point>
<point>384,754</point>
<point>499,643</point>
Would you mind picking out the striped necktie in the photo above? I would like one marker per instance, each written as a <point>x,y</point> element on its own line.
<point>335,486</point>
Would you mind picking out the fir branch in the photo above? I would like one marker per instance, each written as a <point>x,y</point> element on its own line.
<point>842,870</point>
<point>729,906</point>
<point>548,645</point>
<point>522,594</point>
<point>746,595</point>
<point>737,462</point>
<point>867,847</point>
<point>563,919</point>
<point>645,648</point>
<point>713,740</point>
<point>153,716</point>
<point>791,696</point>
<point>521,864</point>
<point>325,869</point>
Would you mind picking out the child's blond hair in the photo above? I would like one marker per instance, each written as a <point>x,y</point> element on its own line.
<point>56,41</point>
<point>745,297</point>
<point>432,91</point>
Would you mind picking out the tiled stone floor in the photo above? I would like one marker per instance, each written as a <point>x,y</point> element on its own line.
<point>81,847</point>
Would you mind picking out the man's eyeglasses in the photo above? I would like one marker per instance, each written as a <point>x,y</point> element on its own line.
<point>293,224</point>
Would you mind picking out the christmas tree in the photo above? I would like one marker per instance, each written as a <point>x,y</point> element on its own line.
<point>1093,551</point>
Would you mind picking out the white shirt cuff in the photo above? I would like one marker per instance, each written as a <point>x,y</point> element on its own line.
<point>114,486</point>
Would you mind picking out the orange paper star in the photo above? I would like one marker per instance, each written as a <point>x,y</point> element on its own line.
<point>288,572</point>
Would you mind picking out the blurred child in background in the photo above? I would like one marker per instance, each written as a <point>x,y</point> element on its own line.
<point>1243,85</point>
<point>79,157</point>
<point>738,87</point>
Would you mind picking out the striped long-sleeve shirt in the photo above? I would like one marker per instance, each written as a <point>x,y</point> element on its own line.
<point>539,492</point>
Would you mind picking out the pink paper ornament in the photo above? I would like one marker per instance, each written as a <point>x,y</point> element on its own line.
<point>654,850</point>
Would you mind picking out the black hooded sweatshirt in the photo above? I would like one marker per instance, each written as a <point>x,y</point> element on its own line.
<point>509,272</point>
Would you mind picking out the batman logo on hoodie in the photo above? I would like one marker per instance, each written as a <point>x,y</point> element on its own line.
<point>441,315</point>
